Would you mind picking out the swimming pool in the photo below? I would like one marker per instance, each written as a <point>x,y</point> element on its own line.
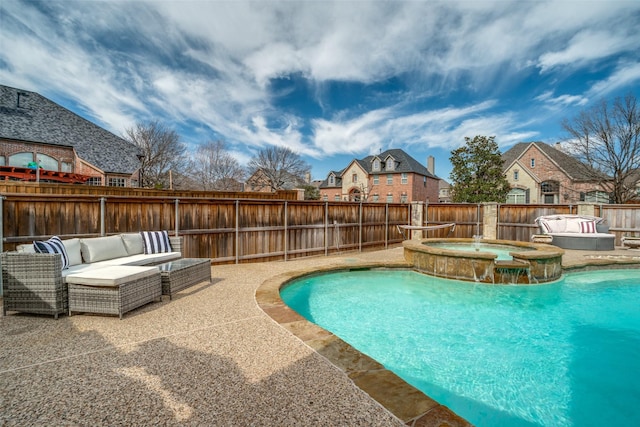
<point>563,354</point>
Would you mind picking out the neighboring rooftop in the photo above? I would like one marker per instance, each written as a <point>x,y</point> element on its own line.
<point>30,117</point>
<point>574,168</point>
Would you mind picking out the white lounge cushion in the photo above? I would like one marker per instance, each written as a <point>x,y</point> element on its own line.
<point>573,225</point>
<point>143,259</point>
<point>102,248</point>
<point>111,276</point>
<point>73,251</point>
<point>133,243</point>
<point>26,249</point>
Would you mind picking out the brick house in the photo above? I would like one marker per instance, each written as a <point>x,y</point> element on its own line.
<point>36,131</point>
<point>540,173</point>
<point>392,176</point>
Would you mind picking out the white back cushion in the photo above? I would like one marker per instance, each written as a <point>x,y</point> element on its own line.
<point>102,248</point>
<point>73,251</point>
<point>133,243</point>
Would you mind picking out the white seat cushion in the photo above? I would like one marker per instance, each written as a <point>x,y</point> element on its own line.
<point>111,276</point>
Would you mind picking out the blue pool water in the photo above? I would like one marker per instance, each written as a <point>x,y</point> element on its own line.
<point>563,354</point>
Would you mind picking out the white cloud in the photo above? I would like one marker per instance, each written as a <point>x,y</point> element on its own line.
<point>211,63</point>
<point>586,47</point>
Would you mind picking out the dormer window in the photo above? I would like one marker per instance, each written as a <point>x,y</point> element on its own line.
<point>390,164</point>
<point>376,164</point>
<point>332,180</point>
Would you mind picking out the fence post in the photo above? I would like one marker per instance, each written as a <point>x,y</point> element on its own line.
<point>237,230</point>
<point>177,202</point>
<point>102,209</point>
<point>386,225</point>
<point>489,222</point>
<point>417,218</point>
<point>360,227</point>
<point>326,228</point>
<point>286,230</point>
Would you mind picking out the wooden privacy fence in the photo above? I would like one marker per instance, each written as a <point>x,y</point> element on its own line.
<point>246,230</point>
<point>225,230</point>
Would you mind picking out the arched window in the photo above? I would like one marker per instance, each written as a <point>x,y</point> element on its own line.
<point>47,162</point>
<point>21,160</point>
<point>550,190</point>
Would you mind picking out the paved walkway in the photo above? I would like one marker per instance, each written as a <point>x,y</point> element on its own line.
<point>210,356</point>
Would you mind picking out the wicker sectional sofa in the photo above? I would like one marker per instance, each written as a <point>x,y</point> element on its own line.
<point>36,282</point>
<point>580,232</point>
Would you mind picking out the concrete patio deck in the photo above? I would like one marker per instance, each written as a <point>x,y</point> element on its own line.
<point>211,356</point>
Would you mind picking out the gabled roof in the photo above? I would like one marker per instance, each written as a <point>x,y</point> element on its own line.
<point>575,169</point>
<point>404,164</point>
<point>37,119</point>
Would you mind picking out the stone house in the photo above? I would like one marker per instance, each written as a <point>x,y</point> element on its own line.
<point>392,176</point>
<point>36,131</point>
<point>540,173</point>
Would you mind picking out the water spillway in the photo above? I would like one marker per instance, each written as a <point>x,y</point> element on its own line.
<point>478,260</point>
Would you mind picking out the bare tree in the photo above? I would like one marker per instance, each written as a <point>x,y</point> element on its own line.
<point>280,168</point>
<point>607,140</point>
<point>213,168</point>
<point>161,153</point>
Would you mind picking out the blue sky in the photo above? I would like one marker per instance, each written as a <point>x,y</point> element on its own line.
<point>332,81</point>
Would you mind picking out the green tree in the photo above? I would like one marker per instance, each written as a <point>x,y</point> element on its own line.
<point>477,174</point>
<point>311,192</point>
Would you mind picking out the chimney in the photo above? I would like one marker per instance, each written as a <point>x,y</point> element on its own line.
<point>431,165</point>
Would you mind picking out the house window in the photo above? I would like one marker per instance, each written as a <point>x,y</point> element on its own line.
<point>354,177</point>
<point>550,190</point>
<point>332,180</point>
<point>47,162</point>
<point>389,179</point>
<point>404,198</point>
<point>94,180</point>
<point>389,198</point>
<point>66,167</point>
<point>21,160</point>
<point>325,198</point>
<point>597,197</point>
<point>376,197</point>
<point>117,182</point>
<point>376,179</point>
<point>2,160</point>
<point>533,163</point>
<point>376,164</point>
<point>390,164</point>
<point>515,175</point>
<point>518,196</point>
<point>405,178</point>
<point>336,197</point>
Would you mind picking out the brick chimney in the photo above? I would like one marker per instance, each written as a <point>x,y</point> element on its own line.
<point>431,165</point>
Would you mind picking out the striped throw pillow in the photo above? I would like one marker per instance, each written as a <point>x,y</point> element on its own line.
<point>155,242</point>
<point>52,246</point>
<point>588,227</point>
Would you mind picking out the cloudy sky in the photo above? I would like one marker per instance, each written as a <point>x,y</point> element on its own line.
<point>331,80</point>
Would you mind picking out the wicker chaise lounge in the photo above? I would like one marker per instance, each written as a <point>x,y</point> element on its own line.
<point>580,232</point>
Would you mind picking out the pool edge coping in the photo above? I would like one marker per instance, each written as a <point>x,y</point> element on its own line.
<point>407,403</point>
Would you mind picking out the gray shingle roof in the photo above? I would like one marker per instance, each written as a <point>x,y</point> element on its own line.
<point>39,120</point>
<point>574,168</point>
<point>404,164</point>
